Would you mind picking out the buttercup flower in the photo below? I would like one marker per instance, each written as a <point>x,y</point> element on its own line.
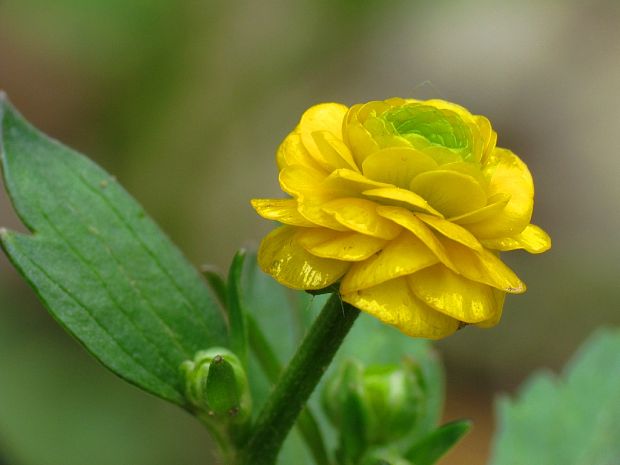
<point>405,204</point>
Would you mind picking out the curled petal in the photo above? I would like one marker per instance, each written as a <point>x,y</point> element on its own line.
<point>348,246</point>
<point>323,117</point>
<point>451,231</point>
<point>290,264</point>
<point>349,182</point>
<point>282,210</point>
<point>450,192</point>
<point>508,175</point>
<point>496,204</point>
<point>533,239</point>
<point>412,223</point>
<point>361,215</point>
<point>484,267</point>
<point>401,198</point>
<point>487,134</point>
<point>332,152</point>
<point>402,256</point>
<point>454,295</point>
<point>361,141</point>
<point>394,303</point>
<point>397,165</point>
<point>500,297</point>
<point>302,181</point>
<point>312,210</point>
<point>292,152</point>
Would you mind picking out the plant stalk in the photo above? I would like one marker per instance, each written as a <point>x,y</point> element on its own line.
<point>298,381</point>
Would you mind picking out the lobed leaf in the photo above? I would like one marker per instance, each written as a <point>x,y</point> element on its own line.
<point>570,420</point>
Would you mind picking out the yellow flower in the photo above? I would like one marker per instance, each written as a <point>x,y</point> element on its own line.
<point>406,204</point>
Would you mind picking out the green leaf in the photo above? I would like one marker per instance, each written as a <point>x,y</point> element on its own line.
<point>216,283</point>
<point>236,310</point>
<point>570,420</point>
<point>432,447</point>
<point>102,268</point>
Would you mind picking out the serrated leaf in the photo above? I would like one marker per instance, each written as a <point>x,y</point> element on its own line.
<point>570,420</point>
<point>432,447</point>
<point>103,269</point>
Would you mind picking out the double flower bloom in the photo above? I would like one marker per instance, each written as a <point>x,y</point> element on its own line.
<point>406,204</point>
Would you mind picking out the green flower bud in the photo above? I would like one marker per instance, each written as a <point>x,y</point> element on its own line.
<point>395,399</point>
<point>383,401</point>
<point>216,385</point>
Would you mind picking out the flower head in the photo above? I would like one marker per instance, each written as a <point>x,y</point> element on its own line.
<point>405,204</point>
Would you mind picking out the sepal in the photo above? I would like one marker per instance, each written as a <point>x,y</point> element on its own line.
<point>216,386</point>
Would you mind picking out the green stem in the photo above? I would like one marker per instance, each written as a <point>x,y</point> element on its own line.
<point>298,381</point>
<point>307,424</point>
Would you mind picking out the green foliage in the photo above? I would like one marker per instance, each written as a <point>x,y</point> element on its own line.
<point>236,310</point>
<point>570,420</point>
<point>284,316</point>
<point>101,266</point>
<point>433,446</point>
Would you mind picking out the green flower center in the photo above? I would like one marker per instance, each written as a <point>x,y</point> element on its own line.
<point>437,126</point>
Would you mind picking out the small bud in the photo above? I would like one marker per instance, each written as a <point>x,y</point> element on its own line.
<point>395,397</point>
<point>383,401</point>
<point>216,385</point>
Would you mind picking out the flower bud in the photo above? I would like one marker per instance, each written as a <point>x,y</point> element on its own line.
<point>396,400</point>
<point>216,384</point>
<point>386,400</point>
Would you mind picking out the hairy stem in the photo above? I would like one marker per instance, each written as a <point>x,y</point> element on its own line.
<point>298,381</point>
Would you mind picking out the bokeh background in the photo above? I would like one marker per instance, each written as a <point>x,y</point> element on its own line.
<point>185,101</point>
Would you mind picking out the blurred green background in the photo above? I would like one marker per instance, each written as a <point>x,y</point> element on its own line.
<point>185,101</point>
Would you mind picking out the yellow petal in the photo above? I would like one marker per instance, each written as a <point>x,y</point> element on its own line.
<point>394,303</point>
<point>397,165</point>
<point>302,181</point>
<point>348,246</point>
<point>499,297</point>
<point>293,152</point>
<point>496,204</point>
<point>508,175</point>
<point>361,142</point>
<point>396,196</point>
<point>449,192</point>
<point>454,295</point>
<point>290,264</point>
<point>402,256</point>
<point>483,267</point>
<point>452,231</point>
<point>469,169</point>
<point>282,210</point>
<point>488,135</point>
<point>361,215</point>
<point>323,117</point>
<point>332,152</point>
<point>461,111</point>
<point>412,223</point>
<point>442,155</point>
<point>312,210</point>
<point>349,182</point>
<point>532,238</point>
